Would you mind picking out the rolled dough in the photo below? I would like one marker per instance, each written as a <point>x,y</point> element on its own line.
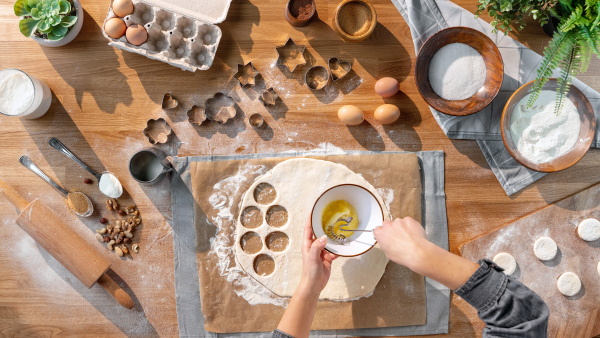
<point>507,262</point>
<point>568,284</point>
<point>589,229</point>
<point>298,183</point>
<point>545,248</point>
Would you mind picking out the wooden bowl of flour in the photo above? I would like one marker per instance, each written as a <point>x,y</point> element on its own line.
<point>494,71</point>
<point>582,144</point>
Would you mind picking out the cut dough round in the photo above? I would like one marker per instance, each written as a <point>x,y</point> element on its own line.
<point>545,248</point>
<point>568,284</point>
<point>298,182</point>
<point>589,229</point>
<point>507,262</point>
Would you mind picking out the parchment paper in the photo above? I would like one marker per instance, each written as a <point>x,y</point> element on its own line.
<point>399,298</point>
<point>575,316</point>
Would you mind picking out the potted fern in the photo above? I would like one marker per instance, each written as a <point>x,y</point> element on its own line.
<point>572,45</point>
<point>50,23</point>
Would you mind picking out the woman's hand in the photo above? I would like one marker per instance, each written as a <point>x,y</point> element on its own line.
<point>316,262</point>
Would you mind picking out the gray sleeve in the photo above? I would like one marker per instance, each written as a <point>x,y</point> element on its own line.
<point>508,308</point>
<point>281,334</point>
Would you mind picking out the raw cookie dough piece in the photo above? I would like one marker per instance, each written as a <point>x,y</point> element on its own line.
<point>589,229</point>
<point>545,248</point>
<point>568,284</point>
<point>507,262</point>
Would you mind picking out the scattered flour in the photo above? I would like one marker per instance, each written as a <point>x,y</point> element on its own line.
<point>388,196</point>
<point>457,71</point>
<point>541,135</point>
<point>222,244</point>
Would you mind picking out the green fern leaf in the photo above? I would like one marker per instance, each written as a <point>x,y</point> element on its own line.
<point>570,65</point>
<point>572,20</point>
<point>558,47</point>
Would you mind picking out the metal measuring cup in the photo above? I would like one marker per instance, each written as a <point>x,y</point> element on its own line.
<point>149,166</point>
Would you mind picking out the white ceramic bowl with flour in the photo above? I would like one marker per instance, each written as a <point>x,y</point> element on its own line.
<point>370,215</point>
<point>544,141</point>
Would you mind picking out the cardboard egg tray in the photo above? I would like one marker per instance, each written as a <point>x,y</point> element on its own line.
<point>188,41</point>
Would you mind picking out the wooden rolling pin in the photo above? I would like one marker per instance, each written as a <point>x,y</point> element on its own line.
<point>66,246</point>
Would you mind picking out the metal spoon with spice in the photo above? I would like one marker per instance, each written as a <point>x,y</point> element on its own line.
<point>77,202</point>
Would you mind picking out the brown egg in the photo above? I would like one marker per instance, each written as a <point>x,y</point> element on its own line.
<point>122,8</point>
<point>387,87</point>
<point>387,113</point>
<point>351,115</point>
<point>136,34</point>
<point>115,28</point>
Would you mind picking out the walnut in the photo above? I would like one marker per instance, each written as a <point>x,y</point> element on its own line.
<point>112,204</point>
<point>130,209</point>
<point>119,237</point>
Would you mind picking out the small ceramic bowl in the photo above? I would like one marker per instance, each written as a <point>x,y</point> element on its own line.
<point>586,133</point>
<point>338,25</point>
<point>370,215</point>
<point>493,64</point>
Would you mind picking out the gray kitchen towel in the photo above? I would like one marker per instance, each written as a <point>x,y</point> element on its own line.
<point>427,17</point>
<point>187,294</point>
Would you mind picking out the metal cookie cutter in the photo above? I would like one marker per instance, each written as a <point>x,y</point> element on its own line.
<point>290,55</point>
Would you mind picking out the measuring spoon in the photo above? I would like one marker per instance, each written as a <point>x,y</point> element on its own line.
<point>56,144</point>
<point>27,163</point>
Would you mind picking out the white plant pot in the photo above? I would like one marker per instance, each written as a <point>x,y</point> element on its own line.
<point>71,35</point>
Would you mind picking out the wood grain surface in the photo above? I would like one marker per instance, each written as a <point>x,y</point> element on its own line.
<point>102,99</point>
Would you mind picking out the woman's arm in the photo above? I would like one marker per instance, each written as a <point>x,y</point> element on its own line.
<point>316,268</point>
<point>506,306</point>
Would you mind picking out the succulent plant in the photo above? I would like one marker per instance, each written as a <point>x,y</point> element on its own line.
<point>50,17</point>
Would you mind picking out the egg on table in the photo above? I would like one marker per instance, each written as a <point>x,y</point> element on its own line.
<point>115,28</point>
<point>136,34</point>
<point>122,8</point>
<point>351,115</point>
<point>387,113</point>
<point>387,87</point>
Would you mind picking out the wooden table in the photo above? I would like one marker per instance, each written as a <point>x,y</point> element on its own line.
<point>103,98</point>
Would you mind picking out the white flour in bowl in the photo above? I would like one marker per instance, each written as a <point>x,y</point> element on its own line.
<point>541,135</point>
<point>457,71</point>
<point>16,92</point>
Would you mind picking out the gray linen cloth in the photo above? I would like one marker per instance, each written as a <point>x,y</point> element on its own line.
<point>427,17</point>
<point>187,294</point>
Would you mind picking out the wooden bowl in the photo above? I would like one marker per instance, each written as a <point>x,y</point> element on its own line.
<point>493,64</point>
<point>294,21</point>
<point>586,133</point>
<point>345,35</point>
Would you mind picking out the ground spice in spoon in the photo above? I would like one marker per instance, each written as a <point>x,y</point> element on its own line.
<point>301,9</point>
<point>77,202</point>
<point>355,18</point>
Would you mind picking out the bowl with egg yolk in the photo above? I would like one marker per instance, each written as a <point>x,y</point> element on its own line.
<point>343,201</point>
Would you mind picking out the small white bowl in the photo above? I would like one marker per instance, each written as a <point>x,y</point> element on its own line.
<point>370,215</point>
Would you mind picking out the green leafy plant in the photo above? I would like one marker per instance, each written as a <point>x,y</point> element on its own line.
<point>506,13</point>
<point>48,17</point>
<point>572,45</point>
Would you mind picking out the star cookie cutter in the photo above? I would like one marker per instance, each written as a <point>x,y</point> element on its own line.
<point>290,55</point>
<point>269,97</point>
<point>157,131</point>
<point>220,108</point>
<point>338,68</point>
<point>246,74</point>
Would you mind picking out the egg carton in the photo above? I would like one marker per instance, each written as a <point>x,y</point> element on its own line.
<point>177,39</point>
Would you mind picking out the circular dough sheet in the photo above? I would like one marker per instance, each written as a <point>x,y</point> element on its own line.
<point>589,229</point>
<point>507,262</point>
<point>298,183</point>
<point>545,248</point>
<point>568,284</point>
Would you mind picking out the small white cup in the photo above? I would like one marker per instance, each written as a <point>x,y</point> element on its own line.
<point>42,96</point>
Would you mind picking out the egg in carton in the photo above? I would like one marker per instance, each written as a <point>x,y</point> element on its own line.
<point>177,39</point>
